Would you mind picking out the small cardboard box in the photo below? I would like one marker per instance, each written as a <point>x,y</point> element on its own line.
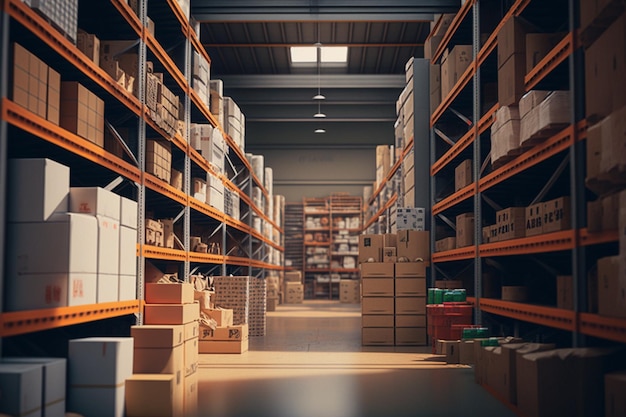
<point>173,293</point>
<point>410,269</point>
<point>377,305</point>
<point>160,360</point>
<point>556,215</point>
<point>465,230</point>
<point>377,287</point>
<point>95,201</point>
<point>153,395</point>
<point>452,348</point>
<point>445,244</point>
<point>224,346</point>
<point>410,336</point>
<point>171,313</point>
<point>463,174</point>
<point>411,287</point>
<point>157,336</point>
<point>377,336</point>
<point>514,293</point>
<point>565,292</point>
<point>410,320</point>
<point>389,254</point>
<point>414,244</point>
<point>511,223</point>
<point>611,290</point>
<point>534,219</point>
<point>370,247</point>
<point>377,269</point>
<point>410,305</point>
<point>512,39</point>
<point>377,320</point>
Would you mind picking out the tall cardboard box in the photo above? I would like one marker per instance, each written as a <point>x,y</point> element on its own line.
<point>453,65</point>
<point>370,247</point>
<point>154,395</point>
<point>465,230</point>
<point>414,244</point>
<point>463,174</point>
<point>565,292</point>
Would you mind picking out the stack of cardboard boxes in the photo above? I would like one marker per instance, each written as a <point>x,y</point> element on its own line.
<point>246,296</point>
<point>201,70</point>
<point>165,353</point>
<point>76,258</point>
<point>350,291</point>
<point>293,292</point>
<point>216,102</point>
<point>159,159</point>
<point>393,303</point>
<point>234,122</point>
<point>273,292</point>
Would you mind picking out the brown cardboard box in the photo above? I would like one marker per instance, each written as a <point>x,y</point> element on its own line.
<point>53,112</point>
<point>465,230</point>
<point>159,360</point>
<point>176,179</point>
<point>611,289</point>
<point>410,320</point>
<point>431,44</point>
<point>453,66</point>
<point>294,293</point>
<point>190,396</point>
<point>486,234</point>
<point>538,45</point>
<point>222,316</point>
<point>514,293</point>
<point>414,244</point>
<point>440,27</point>
<point>412,287</point>
<point>239,332</point>
<point>377,336</point>
<point>169,293</point>
<point>450,284</point>
<point>89,44</point>
<point>370,246</point>
<point>154,394</point>
<point>224,346</point>
<point>452,348</point>
<point>377,269</point>
<point>604,69</point>
<point>157,336</point>
<point>377,287</point>
<point>171,313</point>
<point>410,305</point>
<point>534,219</point>
<point>466,352</point>
<point>511,223</point>
<point>410,336</point>
<point>445,244</point>
<point>410,269</point>
<point>82,112</point>
<point>556,215</point>
<point>377,305</point>
<point>390,240</point>
<point>463,174</point>
<point>565,292</point>
<point>614,398</point>
<point>389,254</point>
<point>613,154</point>
<point>610,212</point>
<point>377,320</point>
<point>511,80</point>
<point>512,39</point>
<point>435,87</point>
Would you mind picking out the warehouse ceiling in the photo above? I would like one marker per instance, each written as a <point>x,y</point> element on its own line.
<point>249,44</point>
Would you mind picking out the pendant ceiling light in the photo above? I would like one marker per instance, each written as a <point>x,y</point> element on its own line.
<point>319,96</point>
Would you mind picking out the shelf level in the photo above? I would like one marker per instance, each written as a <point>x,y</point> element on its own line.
<point>555,57</point>
<point>454,25</point>
<point>21,322</point>
<point>550,242</point>
<point>465,140</point>
<point>542,315</point>
<point>611,328</point>
<point>458,254</point>
<point>454,199</point>
<point>165,254</point>
<point>161,187</point>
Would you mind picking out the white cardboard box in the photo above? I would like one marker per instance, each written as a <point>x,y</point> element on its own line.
<point>65,243</point>
<point>38,188</point>
<point>127,287</point>
<point>108,245</point>
<point>108,287</point>
<point>128,212</point>
<point>95,201</point>
<point>102,361</point>
<point>53,386</point>
<point>61,289</point>
<point>128,251</point>
<point>96,401</point>
<point>21,386</point>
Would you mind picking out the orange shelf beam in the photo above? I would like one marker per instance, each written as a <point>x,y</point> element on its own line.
<point>454,151</point>
<point>545,316</point>
<point>458,254</point>
<point>55,40</point>
<point>208,258</point>
<point>205,209</point>
<point>611,328</point>
<point>559,53</point>
<point>167,62</point>
<point>454,199</point>
<point>487,120</point>
<point>388,204</point>
<point>48,131</point>
<point>557,143</point>
<point>316,243</point>
<point>166,254</point>
<point>452,95</point>
<point>163,188</point>
<point>588,239</point>
<point>550,242</point>
<point>21,322</point>
<point>180,16</point>
<point>195,98</point>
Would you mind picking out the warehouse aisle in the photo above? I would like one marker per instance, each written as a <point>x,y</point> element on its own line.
<point>311,364</point>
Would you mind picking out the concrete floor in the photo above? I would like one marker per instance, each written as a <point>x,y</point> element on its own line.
<point>311,364</point>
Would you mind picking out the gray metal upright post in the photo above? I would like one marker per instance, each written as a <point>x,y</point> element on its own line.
<point>4,71</point>
<point>476,164</point>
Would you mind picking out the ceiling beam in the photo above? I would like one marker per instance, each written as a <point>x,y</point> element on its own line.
<point>368,81</point>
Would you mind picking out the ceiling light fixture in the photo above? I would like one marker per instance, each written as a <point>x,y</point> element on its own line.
<point>320,131</point>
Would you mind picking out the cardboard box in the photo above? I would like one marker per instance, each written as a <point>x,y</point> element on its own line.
<point>435,87</point>
<point>411,287</point>
<point>377,336</point>
<point>556,215</point>
<point>410,269</point>
<point>108,259</point>
<point>389,254</point>
<point>514,293</point>
<point>431,44</point>
<point>190,396</point>
<point>511,223</point>
<point>174,293</point>
<point>48,185</point>
<point>564,292</point>
<point>611,289</point>
<point>614,399</point>
<point>191,356</point>
<point>22,386</point>
<point>410,305</point>
<point>171,313</point>
<point>82,112</point>
<point>128,251</point>
<point>95,201</point>
<point>53,111</point>
<point>465,230</point>
<point>377,305</point>
<point>377,320</point>
<point>511,80</point>
<point>377,287</point>
<point>534,219</point>
<point>160,360</point>
<point>223,346</point>
<point>452,351</point>
<point>453,65</point>
<point>445,244</point>
<point>410,320</point>
<point>89,44</point>
<point>531,100</point>
<point>154,395</point>
<point>410,218</point>
<point>466,352</point>
<point>157,336</point>
<point>463,175</point>
<point>512,39</point>
<point>97,369</point>
<point>414,244</point>
<point>370,247</point>
<point>538,45</point>
<point>410,336</point>
<point>377,269</point>
<point>613,154</point>
<point>239,332</point>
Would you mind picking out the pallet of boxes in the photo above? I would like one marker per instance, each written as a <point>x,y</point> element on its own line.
<point>293,292</point>
<point>273,292</point>
<point>393,288</point>
<point>165,359</point>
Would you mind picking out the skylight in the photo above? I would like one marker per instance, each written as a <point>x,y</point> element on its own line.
<point>308,54</point>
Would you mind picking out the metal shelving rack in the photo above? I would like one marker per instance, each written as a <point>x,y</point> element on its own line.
<point>569,244</point>
<point>244,249</point>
